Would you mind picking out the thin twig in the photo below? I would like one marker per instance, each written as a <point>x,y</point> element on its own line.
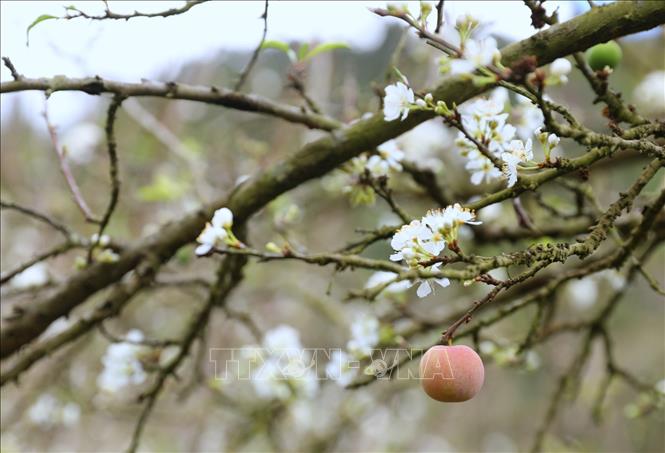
<point>255,54</point>
<point>113,171</point>
<point>108,14</point>
<point>12,69</point>
<point>66,171</point>
<point>439,16</point>
<point>39,216</point>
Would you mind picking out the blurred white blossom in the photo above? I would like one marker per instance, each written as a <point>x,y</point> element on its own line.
<point>48,412</point>
<point>583,293</point>
<point>339,368</point>
<point>35,275</point>
<point>81,141</point>
<point>559,70</point>
<point>649,94</point>
<point>383,277</point>
<point>285,372</point>
<point>475,53</point>
<point>526,117</point>
<point>364,336</point>
<point>122,364</point>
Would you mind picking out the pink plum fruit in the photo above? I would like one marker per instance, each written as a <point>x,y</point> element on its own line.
<point>451,373</point>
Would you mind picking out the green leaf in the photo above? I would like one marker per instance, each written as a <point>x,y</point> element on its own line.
<point>163,188</point>
<point>279,45</point>
<point>302,51</point>
<point>324,48</point>
<point>41,18</point>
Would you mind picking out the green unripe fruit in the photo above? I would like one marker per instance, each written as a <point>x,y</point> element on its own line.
<point>601,55</point>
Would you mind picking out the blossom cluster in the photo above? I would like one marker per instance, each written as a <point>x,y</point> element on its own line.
<point>122,364</point>
<point>365,336</point>
<point>48,412</point>
<point>484,129</point>
<point>284,371</point>
<point>217,233</point>
<point>475,52</point>
<point>485,124</point>
<point>387,159</point>
<point>422,241</point>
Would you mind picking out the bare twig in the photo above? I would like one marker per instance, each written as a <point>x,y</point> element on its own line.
<point>39,216</point>
<point>255,54</point>
<point>113,171</point>
<point>439,16</point>
<point>66,171</point>
<point>108,14</point>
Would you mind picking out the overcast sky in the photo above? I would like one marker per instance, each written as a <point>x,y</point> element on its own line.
<point>129,50</point>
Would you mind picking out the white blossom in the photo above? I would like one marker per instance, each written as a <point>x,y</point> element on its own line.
<point>391,154</point>
<point>339,368</point>
<point>423,240</point>
<point>425,288</point>
<point>217,233</point>
<point>660,386</point>
<point>510,167</point>
<point>516,152</point>
<point>102,241</point>
<point>44,411</point>
<point>482,108</point>
<point>484,120</point>
<point>364,336</point>
<point>382,277</point>
<point>584,293</point>
<point>526,117</point>
<point>81,141</point>
<point>482,169</point>
<point>35,275</point>
<point>223,217</point>
<point>70,414</point>
<point>425,142</point>
<point>377,167</point>
<point>122,364</point>
<point>415,242</point>
<point>649,94</point>
<point>446,222</point>
<point>559,69</point>
<point>285,372</point>
<point>398,101</point>
<point>282,339</point>
<point>476,53</point>
<point>615,278</point>
<point>48,412</point>
<point>560,66</point>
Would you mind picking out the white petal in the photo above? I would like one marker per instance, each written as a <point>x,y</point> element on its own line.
<point>443,282</point>
<point>424,289</point>
<point>396,256</point>
<point>203,249</point>
<point>222,218</point>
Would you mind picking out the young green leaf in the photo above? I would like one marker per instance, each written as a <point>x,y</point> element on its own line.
<point>41,18</point>
<point>302,51</point>
<point>324,48</point>
<point>279,45</point>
